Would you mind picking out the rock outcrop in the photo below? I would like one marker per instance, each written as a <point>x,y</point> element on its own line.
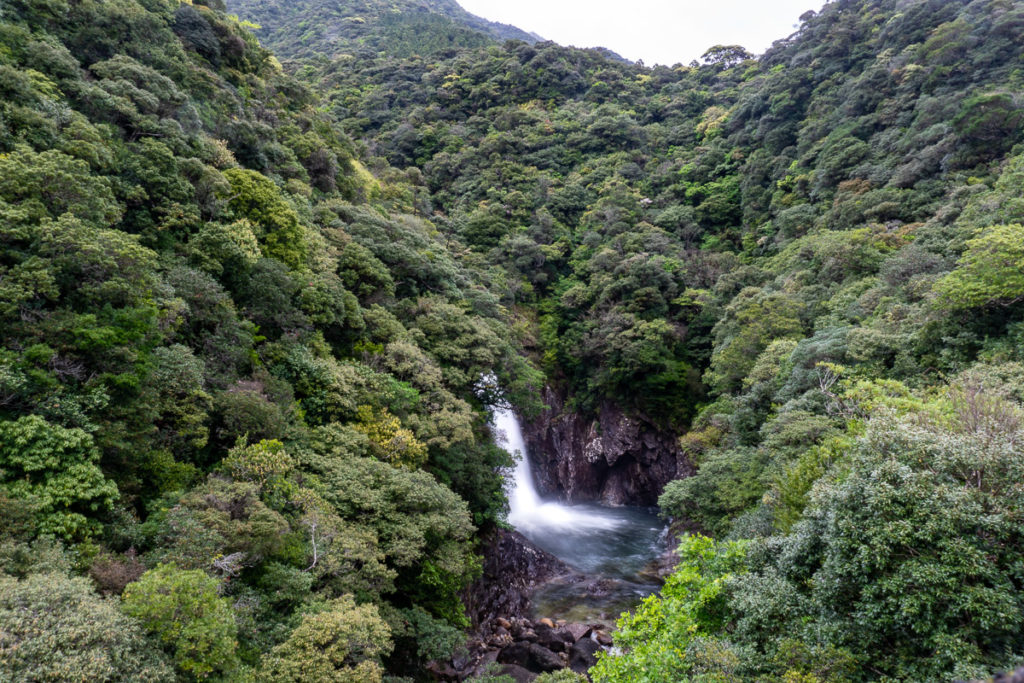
<point>505,639</point>
<point>614,459</point>
<point>512,568</point>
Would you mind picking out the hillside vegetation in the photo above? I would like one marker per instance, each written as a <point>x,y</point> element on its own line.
<point>319,29</point>
<point>240,377</point>
<point>253,317</point>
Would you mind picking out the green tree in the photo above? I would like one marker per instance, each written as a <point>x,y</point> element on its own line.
<point>902,559</point>
<point>341,644</point>
<point>221,525</point>
<point>389,441</point>
<point>184,611</point>
<point>657,642</point>
<point>989,273</point>
<point>55,628</point>
<point>256,198</point>
<point>751,322</point>
<point>50,184</point>
<point>57,469</point>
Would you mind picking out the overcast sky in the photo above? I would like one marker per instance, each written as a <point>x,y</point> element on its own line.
<point>656,31</point>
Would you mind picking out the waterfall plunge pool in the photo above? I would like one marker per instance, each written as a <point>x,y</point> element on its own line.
<point>613,548</point>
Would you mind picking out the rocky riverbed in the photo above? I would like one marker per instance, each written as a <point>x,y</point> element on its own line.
<point>548,598</point>
<point>524,648</point>
<point>508,638</point>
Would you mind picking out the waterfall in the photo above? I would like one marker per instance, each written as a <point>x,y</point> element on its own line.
<point>527,512</point>
<point>615,545</point>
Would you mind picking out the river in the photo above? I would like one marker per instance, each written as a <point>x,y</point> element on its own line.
<point>612,547</point>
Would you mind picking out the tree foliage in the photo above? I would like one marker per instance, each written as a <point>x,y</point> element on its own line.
<point>56,470</point>
<point>184,611</point>
<point>54,627</point>
<point>989,271</point>
<point>341,644</point>
<point>250,313</point>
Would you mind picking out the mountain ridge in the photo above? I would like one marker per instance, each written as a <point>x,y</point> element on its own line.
<point>309,28</point>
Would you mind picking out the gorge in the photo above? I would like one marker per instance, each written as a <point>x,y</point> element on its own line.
<point>612,550</point>
<point>257,255</point>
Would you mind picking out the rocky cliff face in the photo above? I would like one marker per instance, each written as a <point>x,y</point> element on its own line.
<point>615,459</point>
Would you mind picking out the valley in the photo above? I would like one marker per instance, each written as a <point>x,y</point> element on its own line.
<point>368,340</point>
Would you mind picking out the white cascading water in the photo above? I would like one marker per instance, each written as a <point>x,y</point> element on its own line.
<point>613,544</point>
<point>527,512</point>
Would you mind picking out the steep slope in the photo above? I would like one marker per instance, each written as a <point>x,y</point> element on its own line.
<point>240,377</point>
<point>399,28</point>
<point>244,322</point>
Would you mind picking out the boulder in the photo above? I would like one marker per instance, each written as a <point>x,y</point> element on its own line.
<point>517,653</point>
<point>554,640</point>
<point>543,660</point>
<point>485,660</point>
<point>581,655</point>
<point>518,673</point>
<point>500,639</point>
<point>577,631</point>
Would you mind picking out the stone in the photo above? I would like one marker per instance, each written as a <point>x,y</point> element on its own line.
<point>518,673</point>
<point>566,636</point>
<point>517,653</point>
<point>512,567</point>
<point>500,640</point>
<point>485,660</point>
<point>603,638</point>
<point>615,459</point>
<point>544,660</point>
<point>546,622</point>
<point>582,655</point>
<point>578,630</point>
<point>529,635</point>
<point>600,587</point>
<point>554,640</point>
<point>442,672</point>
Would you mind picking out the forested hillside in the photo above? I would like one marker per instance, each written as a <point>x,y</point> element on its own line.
<point>240,378</point>
<point>808,264</point>
<point>253,318</point>
<point>323,29</point>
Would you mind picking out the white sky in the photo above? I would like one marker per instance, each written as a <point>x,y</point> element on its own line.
<point>656,31</point>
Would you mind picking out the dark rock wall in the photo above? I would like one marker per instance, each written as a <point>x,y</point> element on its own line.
<point>614,459</point>
<point>512,568</point>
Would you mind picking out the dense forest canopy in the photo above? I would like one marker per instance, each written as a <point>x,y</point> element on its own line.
<point>253,319</point>
<point>314,28</point>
